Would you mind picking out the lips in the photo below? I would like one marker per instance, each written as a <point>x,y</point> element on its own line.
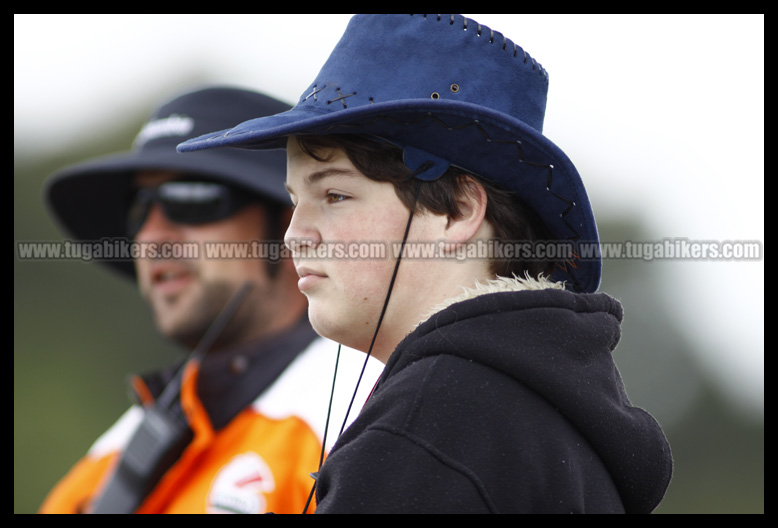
<point>169,277</point>
<point>309,278</point>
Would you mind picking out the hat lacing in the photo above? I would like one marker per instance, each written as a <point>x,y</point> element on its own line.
<point>505,40</point>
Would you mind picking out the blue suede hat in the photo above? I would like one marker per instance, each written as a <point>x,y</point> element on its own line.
<point>451,92</point>
<point>91,199</point>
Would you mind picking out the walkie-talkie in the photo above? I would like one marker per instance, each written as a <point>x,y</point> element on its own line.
<point>162,435</point>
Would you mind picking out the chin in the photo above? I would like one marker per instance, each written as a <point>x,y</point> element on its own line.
<point>185,332</point>
<point>184,318</point>
<point>333,328</point>
<point>322,325</point>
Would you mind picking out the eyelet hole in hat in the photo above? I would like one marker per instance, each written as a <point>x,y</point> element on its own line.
<point>454,88</point>
<point>434,95</point>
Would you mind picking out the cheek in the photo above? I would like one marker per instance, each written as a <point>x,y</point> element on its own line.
<point>348,309</point>
<point>229,250</point>
<point>141,271</point>
<point>377,225</point>
<point>364,279</point>
<point>372,244</point>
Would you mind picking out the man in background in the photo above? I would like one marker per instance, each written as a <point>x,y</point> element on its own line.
<point>239,426</point>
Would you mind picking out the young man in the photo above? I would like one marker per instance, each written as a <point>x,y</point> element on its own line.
<point>244,424</point>
<point>500,394</point>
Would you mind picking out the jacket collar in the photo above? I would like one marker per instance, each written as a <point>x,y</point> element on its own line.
<point>229,381</point>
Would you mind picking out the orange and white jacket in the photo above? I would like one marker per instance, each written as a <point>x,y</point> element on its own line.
<point>258,461</point>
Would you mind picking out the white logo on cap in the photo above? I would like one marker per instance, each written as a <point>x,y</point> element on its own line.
<point>174,125</point>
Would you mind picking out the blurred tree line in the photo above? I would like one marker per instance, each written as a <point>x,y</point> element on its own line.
<point>79,330</point>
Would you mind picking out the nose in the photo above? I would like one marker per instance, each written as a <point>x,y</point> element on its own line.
<point>156,227</point>
<point>301,233</point>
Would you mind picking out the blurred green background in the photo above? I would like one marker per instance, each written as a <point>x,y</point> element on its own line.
<point>79,330</point>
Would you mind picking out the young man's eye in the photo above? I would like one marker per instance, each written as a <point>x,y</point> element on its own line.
<point>335,197</point>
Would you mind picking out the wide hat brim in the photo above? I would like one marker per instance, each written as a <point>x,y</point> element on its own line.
<point>488,142</point>
<point>90,200</point>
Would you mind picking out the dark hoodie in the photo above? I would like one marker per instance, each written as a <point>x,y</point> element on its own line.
<point>504,403</point>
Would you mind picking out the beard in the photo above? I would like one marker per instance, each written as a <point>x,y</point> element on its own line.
<point>194,315</point>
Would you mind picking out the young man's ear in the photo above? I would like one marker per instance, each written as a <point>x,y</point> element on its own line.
<point>470,224</point>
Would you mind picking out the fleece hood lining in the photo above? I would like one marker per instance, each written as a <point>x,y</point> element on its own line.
<point>497,285</point>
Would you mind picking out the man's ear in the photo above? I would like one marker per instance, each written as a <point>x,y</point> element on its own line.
<point>470,223</point>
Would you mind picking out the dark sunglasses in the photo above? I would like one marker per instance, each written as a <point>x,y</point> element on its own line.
<point>186,202</point>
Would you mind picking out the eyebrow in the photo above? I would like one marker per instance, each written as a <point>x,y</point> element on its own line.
<point>317,176</point>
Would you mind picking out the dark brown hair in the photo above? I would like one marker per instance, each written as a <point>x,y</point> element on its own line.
<point>381,161</point>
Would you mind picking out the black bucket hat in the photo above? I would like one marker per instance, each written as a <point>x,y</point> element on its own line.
<point>449,91</point>
<point>91,199</point>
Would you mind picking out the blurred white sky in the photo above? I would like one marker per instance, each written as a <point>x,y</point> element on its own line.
<point>662,115</point>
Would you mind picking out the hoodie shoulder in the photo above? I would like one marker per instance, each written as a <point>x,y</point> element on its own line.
<point>559,345</point>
